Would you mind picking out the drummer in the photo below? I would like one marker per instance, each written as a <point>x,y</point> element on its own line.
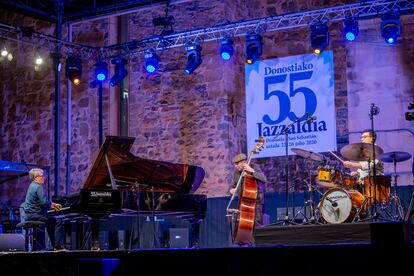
<point>365,168</point>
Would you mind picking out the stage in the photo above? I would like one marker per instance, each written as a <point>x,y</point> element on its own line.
<point>342,249</point>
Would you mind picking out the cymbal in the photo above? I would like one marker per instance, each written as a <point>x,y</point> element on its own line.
<point>360,151</point>
<point>397,156</point>
<point>308,154</point>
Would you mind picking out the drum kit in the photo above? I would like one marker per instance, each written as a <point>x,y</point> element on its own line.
<point>344,197</point>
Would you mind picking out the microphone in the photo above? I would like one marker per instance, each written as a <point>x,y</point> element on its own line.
<point>374,109</point>
<point>310,119</point>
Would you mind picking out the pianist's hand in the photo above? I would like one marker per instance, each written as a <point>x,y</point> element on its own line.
<point>56,206</point>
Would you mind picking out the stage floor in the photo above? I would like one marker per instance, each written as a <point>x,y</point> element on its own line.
<point>378,233</point>
<point>386,252</point>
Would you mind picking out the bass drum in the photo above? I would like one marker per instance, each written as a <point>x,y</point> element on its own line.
<point>340,205</point>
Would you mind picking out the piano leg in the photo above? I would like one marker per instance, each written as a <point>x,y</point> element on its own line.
<point>195,232</point>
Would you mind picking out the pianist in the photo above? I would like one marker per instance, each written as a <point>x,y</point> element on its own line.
<point>36,205</point>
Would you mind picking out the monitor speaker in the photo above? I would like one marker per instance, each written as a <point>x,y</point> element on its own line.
<point>179,238</point>
<point>11,242</point>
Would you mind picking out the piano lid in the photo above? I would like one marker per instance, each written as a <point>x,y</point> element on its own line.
<point>149,174</point>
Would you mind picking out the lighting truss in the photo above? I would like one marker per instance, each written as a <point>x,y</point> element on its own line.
<point>363,10</point>
<point>29,36</point>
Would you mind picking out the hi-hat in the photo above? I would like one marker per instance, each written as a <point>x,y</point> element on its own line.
<point>397,156</point>
<point>308,154</point>
<point>361,151</point>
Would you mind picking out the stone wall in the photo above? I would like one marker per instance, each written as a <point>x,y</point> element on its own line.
<point>197,119</point>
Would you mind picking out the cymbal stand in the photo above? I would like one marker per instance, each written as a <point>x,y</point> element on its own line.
<point>397,203</point>
<point>311,190</point>
<point>286,221</point>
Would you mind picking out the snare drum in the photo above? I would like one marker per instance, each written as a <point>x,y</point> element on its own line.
<point>382,187</point>
<point>340,205</point>
<point>328,177</point>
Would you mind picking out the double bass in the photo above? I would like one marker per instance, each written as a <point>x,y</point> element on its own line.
<point>244,216</point>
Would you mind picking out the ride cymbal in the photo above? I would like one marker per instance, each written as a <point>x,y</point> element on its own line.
<point>397,156</point>
<point>361,151</point>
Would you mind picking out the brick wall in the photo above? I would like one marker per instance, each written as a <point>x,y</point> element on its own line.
<point>197,119</point>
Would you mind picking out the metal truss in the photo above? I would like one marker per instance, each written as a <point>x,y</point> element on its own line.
<point>361,10</point>
<point>30,37</point>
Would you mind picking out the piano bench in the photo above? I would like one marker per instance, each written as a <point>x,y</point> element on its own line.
<point>30,239</point>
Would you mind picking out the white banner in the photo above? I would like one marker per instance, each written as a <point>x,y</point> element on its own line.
<point>294,95</point>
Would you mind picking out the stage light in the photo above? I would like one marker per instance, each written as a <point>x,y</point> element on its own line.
<point>226,49</point>
<point>151,62</point>
<point>101,71</point>
<point>120,71</point>
<point>38,60</point>
<point>74,69</point>
<point>193,58</point>
<point>319,37</point>
<point>163,21</point>
<point>390,27</point>
<point>351,29</point>
<point>4,52</point>
<point>253,48</point>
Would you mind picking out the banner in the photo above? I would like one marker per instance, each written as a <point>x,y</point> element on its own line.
<point>293,95</point>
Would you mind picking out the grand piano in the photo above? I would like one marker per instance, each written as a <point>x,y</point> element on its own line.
<point>123,192</point>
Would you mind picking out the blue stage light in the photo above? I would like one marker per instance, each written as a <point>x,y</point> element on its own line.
<point>319,37</point>
<point>151,63</point>
<point>120,71</point>
<point>101,71</point>
<point>193,58</point>
<point>390,27</point>
<point>351,29</point>
<point>253,48</point>
<point>226,49</point>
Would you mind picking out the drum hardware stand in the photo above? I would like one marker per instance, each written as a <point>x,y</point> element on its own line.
<point>374,110</point>
<point>397,203</point>
<point>305,203</point>
<point>311,190</point>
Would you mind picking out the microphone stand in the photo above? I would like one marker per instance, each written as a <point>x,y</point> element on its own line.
<point>286,220</point>
<point>373,111</point>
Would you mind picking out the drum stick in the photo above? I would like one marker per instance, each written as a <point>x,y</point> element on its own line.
<point>336,156</point>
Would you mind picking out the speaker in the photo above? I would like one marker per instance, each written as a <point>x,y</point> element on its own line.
<point>12,242</point>
<point>178,238</point>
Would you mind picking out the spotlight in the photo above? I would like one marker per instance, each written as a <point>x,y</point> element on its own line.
<point>253,48</point>
<point>151,62</point>
<point>226,49</point>
<point>351,29</point>
<point>120,71</point>
<point>163,21</point>
<point>101,71</point>
<point>39,60</point>
<point>74,69</point>
<point>193,58</point>
<point>390,27</point>
<point>319,37</point>
<point>4,52</point>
